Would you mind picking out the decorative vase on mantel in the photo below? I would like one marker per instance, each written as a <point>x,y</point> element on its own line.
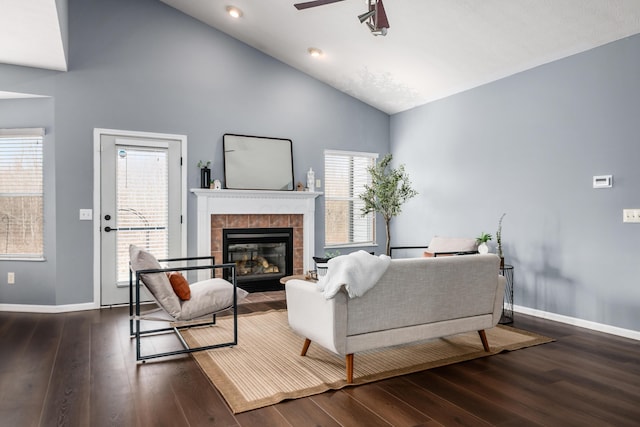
<point>205,177</point>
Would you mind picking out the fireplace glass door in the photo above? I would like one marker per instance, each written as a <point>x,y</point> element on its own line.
<point>262,256</point>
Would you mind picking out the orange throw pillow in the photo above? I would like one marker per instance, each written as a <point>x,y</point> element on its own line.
<point>180,285</point>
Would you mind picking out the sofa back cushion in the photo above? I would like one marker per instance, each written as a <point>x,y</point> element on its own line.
<point>425,290</point>
<point>450,244</point>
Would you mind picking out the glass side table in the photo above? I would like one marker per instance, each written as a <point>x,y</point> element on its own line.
<point>507,306</point>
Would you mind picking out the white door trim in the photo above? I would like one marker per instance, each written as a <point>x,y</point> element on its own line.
<point>97,213</point>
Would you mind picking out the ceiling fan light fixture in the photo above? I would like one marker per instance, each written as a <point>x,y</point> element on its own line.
<point>234,12</point>
<point>375,18</point>
<point>377,31</point>
<point>366,15</point>
<point>314,52</point>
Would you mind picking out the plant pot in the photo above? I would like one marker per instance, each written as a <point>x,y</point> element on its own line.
<point>321,265</point>
<point>483,248</point>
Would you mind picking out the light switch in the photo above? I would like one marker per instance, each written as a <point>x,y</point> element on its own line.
<point>86,214</point>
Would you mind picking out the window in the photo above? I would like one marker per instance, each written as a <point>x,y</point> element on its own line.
<point>345,175</point>
<point>21,194</point>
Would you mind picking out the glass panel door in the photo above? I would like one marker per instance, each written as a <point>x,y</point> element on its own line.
<point>141,203</point>
<point>142,197</point>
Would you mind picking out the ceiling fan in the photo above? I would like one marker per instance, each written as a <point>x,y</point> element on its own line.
<point>375,17</point>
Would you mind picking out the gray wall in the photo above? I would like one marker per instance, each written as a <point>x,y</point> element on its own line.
<point>62,7</point>
<point>33,284</point>
<point>529,145</point>
<point>143,66</point>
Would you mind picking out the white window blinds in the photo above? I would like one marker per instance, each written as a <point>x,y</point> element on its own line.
<point>142,199</point>
<point>21,193</point>
<point>345,175</point>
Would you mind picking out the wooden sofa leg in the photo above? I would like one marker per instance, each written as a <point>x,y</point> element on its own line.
<point>305,347</point>
<point>349,363</point>
<point>483,337</point>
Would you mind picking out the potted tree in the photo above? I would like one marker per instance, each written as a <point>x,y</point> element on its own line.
<point>386,194</point>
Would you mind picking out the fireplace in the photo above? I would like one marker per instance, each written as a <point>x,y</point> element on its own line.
<point>262,256</point>
<point>220,209</point>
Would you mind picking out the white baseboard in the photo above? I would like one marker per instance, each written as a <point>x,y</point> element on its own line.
<point>600,327</point>
<point>29,308</point>
<point>613,330</point>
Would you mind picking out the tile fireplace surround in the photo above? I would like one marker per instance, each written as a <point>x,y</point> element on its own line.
<point>256,208</point>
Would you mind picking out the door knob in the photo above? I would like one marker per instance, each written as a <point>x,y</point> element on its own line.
<point>108,229</point>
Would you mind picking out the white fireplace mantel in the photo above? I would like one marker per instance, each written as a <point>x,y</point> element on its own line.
<point>217,202</point>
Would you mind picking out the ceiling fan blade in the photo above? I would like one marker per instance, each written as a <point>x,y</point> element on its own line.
<point>381,16</point>
<point>314,3</point>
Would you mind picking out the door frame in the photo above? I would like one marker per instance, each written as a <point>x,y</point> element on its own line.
<point>97,212</point>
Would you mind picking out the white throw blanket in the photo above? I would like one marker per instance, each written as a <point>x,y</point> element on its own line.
<point>358,272</point>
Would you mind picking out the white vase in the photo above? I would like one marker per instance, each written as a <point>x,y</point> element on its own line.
<point>311,180</point>
<point>483,248</point>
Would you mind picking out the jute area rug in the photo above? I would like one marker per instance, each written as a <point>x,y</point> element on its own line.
<point>266,367</point>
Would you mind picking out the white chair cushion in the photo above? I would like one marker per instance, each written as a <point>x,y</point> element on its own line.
<point>209,296</point>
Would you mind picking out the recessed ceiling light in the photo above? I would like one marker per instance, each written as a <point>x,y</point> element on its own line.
<point>314,51</point>
<point>234,11</point>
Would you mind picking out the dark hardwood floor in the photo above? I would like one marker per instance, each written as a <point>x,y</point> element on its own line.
<point>78,369</point>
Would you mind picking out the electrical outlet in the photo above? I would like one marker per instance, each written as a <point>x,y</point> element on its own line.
<point>11,278</point>
<point>631,215</point>
<point>318,183</point>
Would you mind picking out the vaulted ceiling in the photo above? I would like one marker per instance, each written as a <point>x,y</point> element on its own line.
<point>31,34</point>
<point>433,49</point>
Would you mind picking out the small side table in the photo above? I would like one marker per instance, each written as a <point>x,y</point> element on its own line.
<point>507,306</point>
<point>285,279</point>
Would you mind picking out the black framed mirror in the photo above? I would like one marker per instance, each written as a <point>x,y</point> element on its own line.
<point>257,163</point>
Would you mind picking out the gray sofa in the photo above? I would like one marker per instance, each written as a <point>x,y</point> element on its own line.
<point>415,299</point>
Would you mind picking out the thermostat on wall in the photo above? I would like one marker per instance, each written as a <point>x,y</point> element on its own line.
<point>603,181</point>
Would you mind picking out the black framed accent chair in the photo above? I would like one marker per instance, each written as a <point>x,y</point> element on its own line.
<point>179,303</point>
<point>445,246</point>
